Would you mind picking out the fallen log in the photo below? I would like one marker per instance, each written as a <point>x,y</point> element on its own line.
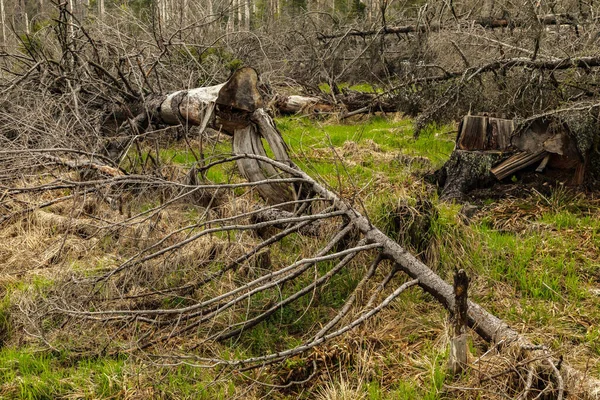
<point>226,106</point>
<point>505,339</point>
<point>295,104</point>
<point>486,22</point>
<point>516,163</point>
<point>233,107</point>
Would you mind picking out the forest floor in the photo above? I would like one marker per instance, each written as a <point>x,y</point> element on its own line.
<point>532,257</point>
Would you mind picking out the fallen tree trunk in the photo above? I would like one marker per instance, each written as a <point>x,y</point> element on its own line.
<point>226,106</point>
<point>488,326</point>
<point>306,104</point>
<point>488,23</point>
<point>231,107</point>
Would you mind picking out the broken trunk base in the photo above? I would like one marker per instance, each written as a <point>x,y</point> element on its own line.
<point>490,150</point>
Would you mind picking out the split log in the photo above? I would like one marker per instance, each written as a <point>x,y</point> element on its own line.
<point>516,163</point>
<point>248,141</point>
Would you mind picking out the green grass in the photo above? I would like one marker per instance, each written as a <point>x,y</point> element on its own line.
<point>381,150</point>
<point>27,373</point>
<point>358,87</point>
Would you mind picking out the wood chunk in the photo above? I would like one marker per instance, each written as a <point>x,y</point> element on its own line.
<point>516,163</point>
<point>470,133</point>
<point>241,91</point>
<point>485,133</point>
<point>543,164</point>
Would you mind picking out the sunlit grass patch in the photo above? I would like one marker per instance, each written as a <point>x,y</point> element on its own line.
<point>307,138</point>
<point>358,87</point>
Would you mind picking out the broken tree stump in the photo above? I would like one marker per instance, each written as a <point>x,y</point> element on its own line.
<point>491,149</point>
<point>467,170</point>
<point>458,343</point>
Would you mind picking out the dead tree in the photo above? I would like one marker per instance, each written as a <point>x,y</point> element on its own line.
<point>168,323</point>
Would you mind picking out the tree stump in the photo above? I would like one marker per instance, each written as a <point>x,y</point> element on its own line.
<point>458,344</point>
<point>467,170</point>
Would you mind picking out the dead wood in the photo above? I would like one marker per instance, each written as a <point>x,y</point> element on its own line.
<point>314,229</point>
<point>516,163</point>
<point>488,326</point>
<point>467,170</point>
<point>248,141</point>
<point>487,22</point>
<point>458,343</point>
<point>295,104</point>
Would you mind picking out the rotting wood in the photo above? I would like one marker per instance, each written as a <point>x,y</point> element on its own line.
<point>458,342</point>
<point>516,163</point>
<point>227,106</point>
<point>484,133</point>
<point>488,146</point>
<point>248,141</point>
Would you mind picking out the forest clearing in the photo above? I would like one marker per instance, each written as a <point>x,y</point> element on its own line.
<point>393,200</point>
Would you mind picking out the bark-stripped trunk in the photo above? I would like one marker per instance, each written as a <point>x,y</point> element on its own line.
<point>3,21</point>
<point>101,8</point>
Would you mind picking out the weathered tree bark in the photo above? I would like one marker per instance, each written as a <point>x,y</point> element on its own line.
<point>458,343</point>
<point>466,170</point>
